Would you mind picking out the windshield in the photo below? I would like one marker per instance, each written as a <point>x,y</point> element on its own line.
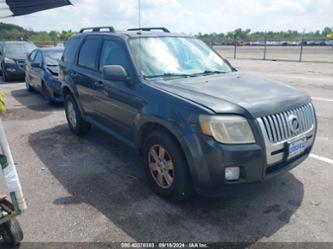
<point>175,56</point>
<point>52,58</point>
<point>18,48</point>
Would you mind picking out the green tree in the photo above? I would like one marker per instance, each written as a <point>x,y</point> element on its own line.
<point>65,35</point>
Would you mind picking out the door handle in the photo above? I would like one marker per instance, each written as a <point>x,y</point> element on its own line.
<point>99,84</point>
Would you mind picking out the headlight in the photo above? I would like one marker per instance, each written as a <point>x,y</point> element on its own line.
<point>53,77</point>
<point>230,129</point>
<point>9,61</point>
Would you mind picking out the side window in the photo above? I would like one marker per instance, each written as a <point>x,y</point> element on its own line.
<point>113,53</point>
<point>70,50</point>
<point>88,53</point>
<point>32,55</point>
<point>39,58</point>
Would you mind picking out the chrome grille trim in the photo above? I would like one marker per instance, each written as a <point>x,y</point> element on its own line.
<point>277,128</point>
<point>276,131</point>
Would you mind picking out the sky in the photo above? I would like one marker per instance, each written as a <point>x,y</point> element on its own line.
<point>186,16</point>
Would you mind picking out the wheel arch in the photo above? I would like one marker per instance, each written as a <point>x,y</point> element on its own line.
<point>67,89</point>
<point>155,125</point>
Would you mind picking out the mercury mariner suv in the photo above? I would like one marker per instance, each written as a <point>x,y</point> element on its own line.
<point>199,125</point>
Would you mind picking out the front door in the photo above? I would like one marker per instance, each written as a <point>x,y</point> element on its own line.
<point>117,101</point>
<point>36,72</point>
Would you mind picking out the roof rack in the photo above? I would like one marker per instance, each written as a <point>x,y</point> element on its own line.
<point>150,29</point>
<point>98,29</point>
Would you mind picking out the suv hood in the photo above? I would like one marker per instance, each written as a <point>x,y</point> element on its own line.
<point>237,92</point>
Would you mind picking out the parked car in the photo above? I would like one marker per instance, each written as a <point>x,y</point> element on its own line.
<point>12,58</point>
<point>199,125</point>
<point>42,68</point>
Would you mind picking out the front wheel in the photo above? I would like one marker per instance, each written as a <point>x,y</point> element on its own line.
<point>47,95</point>
<point>166,167</point>
<point>4,75</point>
<point>28,86</point>
<point>74,118</point>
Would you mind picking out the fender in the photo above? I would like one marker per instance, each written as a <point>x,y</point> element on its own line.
<point>142,123</point>
<point>188,143</point>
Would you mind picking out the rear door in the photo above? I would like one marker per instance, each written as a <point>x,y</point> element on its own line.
<point>86,74</point>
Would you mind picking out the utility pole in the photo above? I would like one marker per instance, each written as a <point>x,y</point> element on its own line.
<point>139,14</point>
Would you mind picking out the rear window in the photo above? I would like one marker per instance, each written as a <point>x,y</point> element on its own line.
<point>70,50</point>
<point>88,53</point>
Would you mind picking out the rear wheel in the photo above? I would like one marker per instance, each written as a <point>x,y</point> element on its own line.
<point>74,118</point>
<point>166,167</point>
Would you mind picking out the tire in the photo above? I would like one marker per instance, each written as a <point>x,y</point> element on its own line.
<point>5,76</point>
<point>11,232</point>
<point>47,95</point>
<point>28,86</point>
<point>74,117</point>
<point>181,187</point>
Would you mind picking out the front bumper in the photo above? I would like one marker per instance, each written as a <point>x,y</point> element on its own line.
<point>208,159</point>
<point>55,89</point>
<point>14,70</point>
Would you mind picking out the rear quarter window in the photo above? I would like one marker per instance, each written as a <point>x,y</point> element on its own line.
<point>71,49</point>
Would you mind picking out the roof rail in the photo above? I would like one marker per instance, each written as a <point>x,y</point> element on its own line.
<point>98,29</point>
<point>150,29</point>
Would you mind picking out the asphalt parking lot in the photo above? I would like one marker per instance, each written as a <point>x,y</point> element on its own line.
<point>93,189</point>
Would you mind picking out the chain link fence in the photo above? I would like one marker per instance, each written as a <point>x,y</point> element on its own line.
<point>302,50</point>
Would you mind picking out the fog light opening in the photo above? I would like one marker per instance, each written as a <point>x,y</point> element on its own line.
<point>232,173</point>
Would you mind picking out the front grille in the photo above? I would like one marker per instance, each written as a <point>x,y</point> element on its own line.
<point>20,62</point>
<point>277,126</point>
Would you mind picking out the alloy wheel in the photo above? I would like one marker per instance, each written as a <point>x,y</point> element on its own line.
<point>71,114</point>
<point>161,166</point>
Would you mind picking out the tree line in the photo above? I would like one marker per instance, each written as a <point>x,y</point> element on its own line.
<point>248,35</point>
<point>15,32</point>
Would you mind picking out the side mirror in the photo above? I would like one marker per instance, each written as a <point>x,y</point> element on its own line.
<point>114,73</point>
<point>36,64</point>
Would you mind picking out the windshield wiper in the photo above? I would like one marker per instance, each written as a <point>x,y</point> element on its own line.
<point>206,72</point>
<point>167,75</point>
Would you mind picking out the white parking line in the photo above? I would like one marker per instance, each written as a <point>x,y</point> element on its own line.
<point>321,158</point>
<point>322,99</point>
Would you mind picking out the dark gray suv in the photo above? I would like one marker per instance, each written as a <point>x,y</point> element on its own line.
<point>199,125</point>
